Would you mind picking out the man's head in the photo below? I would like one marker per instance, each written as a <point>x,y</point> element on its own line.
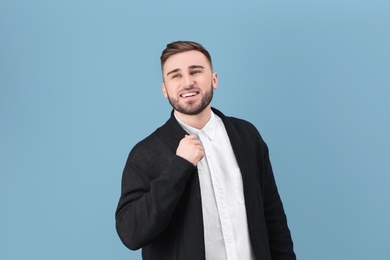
<point>183,46</point>
<point>188,77</point>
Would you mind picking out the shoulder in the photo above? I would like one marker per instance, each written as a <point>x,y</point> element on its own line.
<point>244,127</point>
<point>148,157</point>
<point>153,143</point>
<point>241,123</point>
<point>149,143</point>
<point>240,130</point>
<point>241,126</point>
<point>159,145</point>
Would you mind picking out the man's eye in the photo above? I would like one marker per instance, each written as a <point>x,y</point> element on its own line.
<point>175,76</point>
<point>195,72</point>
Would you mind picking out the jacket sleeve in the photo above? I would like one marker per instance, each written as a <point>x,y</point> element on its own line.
<point>281,244</point>
<point>152,185</point>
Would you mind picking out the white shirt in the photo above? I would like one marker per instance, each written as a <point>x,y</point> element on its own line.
<point>224,214</point>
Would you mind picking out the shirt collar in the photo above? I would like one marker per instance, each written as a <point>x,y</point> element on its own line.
<point>208,129</point>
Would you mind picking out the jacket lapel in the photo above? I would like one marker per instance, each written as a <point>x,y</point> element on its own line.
<point>245,156</point>
<point>172,133</point>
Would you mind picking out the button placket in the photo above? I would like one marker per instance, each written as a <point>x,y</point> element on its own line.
<point>222,205</point>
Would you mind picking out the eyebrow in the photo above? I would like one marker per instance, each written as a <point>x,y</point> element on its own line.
<point>196,67</point>
<point>173,71</point>
<point>190,67</point>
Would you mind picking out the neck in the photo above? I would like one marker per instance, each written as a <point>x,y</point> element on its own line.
<point>197,121</point>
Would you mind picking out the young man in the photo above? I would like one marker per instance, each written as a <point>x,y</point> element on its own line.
<point>201,186</point>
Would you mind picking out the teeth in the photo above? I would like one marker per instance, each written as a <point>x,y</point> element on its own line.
<point>189,94</point>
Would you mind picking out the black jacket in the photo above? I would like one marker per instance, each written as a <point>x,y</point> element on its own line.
<point>160,205</point>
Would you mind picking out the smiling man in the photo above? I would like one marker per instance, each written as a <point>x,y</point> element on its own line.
<point>201,186</point>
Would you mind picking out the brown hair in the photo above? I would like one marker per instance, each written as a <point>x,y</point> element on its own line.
<point>183,46</point>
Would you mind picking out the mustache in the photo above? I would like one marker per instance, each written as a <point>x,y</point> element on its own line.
<point>190,88</point>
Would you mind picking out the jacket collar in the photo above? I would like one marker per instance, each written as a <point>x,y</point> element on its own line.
<point>172,133</point>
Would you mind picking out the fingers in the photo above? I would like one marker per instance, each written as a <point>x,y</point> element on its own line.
<point>191,149</point>
<point>191,137</point>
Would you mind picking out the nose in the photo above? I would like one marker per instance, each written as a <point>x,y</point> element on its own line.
<point>188,81</point>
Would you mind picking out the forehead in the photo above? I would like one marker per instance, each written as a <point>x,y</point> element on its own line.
<point>185,59</point>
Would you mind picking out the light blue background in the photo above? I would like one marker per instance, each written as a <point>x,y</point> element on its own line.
<point>80,85</point>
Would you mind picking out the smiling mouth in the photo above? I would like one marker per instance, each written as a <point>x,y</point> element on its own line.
<point>189,94</point>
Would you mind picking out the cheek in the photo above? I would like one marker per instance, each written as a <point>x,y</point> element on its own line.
<point>168,90</point>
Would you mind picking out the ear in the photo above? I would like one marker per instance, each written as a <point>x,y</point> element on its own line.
<point>164,90</point>
<point>215,81</point>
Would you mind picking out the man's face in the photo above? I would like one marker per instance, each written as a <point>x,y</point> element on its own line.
<point>189,82</point>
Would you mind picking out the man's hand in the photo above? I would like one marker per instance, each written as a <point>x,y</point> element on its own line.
<point>190,148</point>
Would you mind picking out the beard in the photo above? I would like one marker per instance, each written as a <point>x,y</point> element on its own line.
<point>192,108</point>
